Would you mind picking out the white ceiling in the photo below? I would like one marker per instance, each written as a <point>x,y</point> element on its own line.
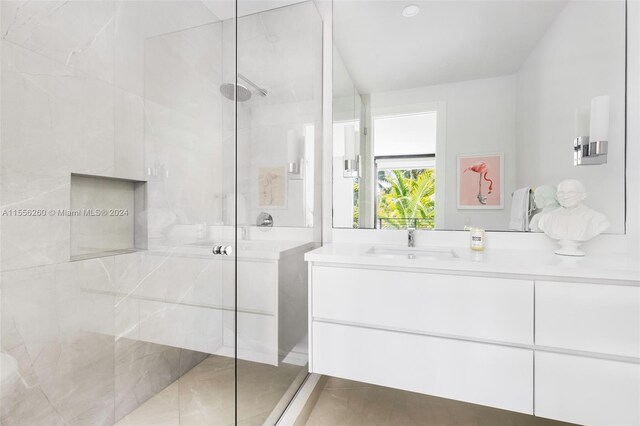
<point>447,41</point>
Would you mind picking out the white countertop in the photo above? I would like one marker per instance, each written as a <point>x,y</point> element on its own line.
<point>529,263</point>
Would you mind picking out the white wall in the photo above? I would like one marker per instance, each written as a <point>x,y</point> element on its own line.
<point>479,119</point>
<point>568,67</point>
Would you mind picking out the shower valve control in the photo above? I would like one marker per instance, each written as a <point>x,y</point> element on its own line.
<point>217,250</point>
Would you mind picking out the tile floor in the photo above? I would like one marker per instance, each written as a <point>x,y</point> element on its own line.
<point>204,395</point>
<point>348,403</point>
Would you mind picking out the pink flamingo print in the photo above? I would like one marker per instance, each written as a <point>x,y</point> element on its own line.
<point>482,169</point>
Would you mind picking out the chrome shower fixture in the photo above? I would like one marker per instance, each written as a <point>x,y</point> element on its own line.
<point>228,90</point>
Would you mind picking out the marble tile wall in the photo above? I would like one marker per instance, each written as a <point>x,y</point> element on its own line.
<point>75,100</point>
<point>183,127</point>
<point>60,361</point>
<point>57,345</point>
<point>74,82</point>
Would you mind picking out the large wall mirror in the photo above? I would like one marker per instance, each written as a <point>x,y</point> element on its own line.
<point>447,112</point>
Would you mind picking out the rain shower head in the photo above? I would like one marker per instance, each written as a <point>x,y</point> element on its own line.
<point>228,91</point>
<point>244,94</point>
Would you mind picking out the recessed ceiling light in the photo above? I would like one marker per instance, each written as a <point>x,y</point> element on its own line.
<point>410,11</point>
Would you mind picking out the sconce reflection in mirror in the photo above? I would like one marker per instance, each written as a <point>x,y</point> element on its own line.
<point>158,172</point>
<point>295,154</point>
<point>351,152</point>
<point>592,149</point>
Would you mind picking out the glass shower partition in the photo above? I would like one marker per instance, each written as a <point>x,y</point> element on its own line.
<point>182,295</point>
<point>279,57</point>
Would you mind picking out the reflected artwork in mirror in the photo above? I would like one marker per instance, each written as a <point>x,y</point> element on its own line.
<point>457,116</point>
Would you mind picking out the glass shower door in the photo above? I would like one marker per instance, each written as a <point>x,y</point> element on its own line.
<point>190,135</point>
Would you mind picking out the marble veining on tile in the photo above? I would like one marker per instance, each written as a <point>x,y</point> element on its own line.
<point>60,359</point>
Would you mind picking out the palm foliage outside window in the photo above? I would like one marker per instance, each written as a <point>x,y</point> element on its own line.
<point>406,198</point>
<point>356,203</point>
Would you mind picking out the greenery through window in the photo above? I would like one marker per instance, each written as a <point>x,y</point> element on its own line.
<point>406,198</point>
<point>356,203</point>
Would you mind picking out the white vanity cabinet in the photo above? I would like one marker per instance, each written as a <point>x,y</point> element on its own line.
<point>474,307</point>
<point>557,346</point>
<point>588,317</point>
<point>587,390</point>
<point>458,337</point>
<point>588,357</point>
<point>182,296</point>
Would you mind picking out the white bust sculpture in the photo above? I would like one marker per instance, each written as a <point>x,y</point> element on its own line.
<point>545,200</point>
<point>572,223</point>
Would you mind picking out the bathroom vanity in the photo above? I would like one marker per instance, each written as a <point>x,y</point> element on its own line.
<point>514,329</point>
<point>178,294</point>
<point>269,294</point>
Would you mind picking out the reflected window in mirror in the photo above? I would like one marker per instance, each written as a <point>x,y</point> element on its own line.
<point>404,156</point>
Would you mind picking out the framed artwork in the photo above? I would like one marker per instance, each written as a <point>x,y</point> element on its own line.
<point>480,179</point>
<point>272,187</point>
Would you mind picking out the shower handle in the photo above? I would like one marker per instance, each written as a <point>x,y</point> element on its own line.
<point>218,250</point>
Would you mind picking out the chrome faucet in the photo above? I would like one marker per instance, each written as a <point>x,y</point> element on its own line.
<point>410,236</point>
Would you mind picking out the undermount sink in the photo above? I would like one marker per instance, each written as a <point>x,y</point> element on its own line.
<point>412,253</point>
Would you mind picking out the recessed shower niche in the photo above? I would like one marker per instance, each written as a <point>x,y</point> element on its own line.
<point>107,215</point>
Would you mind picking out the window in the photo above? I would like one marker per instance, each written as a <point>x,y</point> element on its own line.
<point>404,148</point>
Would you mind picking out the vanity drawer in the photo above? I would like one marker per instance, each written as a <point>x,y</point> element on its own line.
<point>586,390</point>
<point>257,337</point>
<point>588,317</point>
<point>484,308</point>
<point>257,286</point>
<point>480,373</point>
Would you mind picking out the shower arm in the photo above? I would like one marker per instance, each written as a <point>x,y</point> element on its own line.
<point>260,90</point>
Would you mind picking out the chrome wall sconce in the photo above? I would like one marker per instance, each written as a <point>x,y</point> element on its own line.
<point>592,149</point>
<point>295,155</point>
<point>351,152</point>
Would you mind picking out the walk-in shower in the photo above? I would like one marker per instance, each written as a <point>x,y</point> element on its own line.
<point>125,160</point>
